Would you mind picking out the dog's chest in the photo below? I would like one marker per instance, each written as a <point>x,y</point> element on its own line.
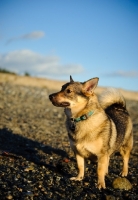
<point>87,148</point>
<point>84,136</point>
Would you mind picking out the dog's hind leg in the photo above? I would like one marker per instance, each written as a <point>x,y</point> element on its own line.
<point>125,155</point>
<point>125,152</point>
<point>80,163</point>
<point>103,162</point>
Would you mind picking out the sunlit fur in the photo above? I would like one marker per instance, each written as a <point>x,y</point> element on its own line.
<point>108,130</point>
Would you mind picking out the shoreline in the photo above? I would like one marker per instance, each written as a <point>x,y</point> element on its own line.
<point>54,84</point>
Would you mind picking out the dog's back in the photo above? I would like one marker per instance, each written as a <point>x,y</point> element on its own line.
<point>114,105</point>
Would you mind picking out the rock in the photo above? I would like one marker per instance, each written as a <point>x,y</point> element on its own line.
<point>29,193</point>
<point>122,184</point>
<point>110,197</point>
<point>29,168</point>
<point>9,196</point>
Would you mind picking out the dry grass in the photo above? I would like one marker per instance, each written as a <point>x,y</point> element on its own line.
<point>52,84</point>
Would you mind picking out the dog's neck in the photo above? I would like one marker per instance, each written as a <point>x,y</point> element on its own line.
<point>74,112</point>
<point>82,109</point>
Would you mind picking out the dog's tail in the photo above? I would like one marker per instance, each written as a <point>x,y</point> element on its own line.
<point>112,97</point>
<point>113,102</point>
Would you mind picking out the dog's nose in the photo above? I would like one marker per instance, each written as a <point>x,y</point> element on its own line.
<point>50,97</point>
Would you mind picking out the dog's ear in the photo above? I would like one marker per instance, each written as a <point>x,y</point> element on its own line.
<point>71,79</point>
<point>90,85</point>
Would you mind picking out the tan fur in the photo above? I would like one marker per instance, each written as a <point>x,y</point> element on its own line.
<point>102,133</point>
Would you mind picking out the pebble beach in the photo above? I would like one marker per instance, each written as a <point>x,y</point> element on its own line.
<point>36,161</point>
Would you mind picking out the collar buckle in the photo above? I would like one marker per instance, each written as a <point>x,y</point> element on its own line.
<point>83,117</point>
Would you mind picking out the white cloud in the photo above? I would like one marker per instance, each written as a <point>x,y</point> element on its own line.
<point>37,65</point>
<point>33,35</point>
<point>127,74</point>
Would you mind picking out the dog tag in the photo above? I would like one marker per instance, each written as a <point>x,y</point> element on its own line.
<point>72,125</point>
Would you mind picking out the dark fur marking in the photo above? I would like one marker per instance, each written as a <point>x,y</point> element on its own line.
<point>65,86</point>
<point>119,115</point>
<point>110,131</point>
<point>76,89</point>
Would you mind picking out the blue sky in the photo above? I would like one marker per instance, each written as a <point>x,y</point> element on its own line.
<point>84,38</point>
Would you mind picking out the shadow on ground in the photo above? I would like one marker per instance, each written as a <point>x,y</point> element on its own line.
<point>14,145</point>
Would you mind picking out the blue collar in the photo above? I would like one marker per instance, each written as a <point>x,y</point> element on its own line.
<point>83,117</point>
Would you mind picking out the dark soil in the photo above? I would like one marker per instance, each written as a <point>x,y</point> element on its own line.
<point>36,161</point>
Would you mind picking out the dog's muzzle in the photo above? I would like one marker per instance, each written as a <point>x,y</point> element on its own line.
<point>55,102</point>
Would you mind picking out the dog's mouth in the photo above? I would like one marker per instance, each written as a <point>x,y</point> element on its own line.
<point>61,104</point>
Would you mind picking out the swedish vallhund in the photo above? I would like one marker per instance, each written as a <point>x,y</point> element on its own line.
<point>96,125</point>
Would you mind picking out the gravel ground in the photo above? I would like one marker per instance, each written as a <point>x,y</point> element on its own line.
<point>36,161</point>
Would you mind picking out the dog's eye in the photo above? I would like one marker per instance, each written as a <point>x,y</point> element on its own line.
<point>68,91</point>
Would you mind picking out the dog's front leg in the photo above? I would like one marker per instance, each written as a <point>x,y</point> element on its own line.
<point>80,163</point>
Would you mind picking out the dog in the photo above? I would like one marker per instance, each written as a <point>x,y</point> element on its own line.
<point>96,126</point>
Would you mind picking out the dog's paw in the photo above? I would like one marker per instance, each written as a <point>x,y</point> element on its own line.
<point>77,178</point>
<point>101,185</point>
<point>124,173</point>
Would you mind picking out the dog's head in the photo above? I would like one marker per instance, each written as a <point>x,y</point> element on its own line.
<point>73,93</point>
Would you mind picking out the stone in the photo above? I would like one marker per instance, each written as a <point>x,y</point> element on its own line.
<point>110,197</point>
<point>9,196</point>
<point>122,184</point>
